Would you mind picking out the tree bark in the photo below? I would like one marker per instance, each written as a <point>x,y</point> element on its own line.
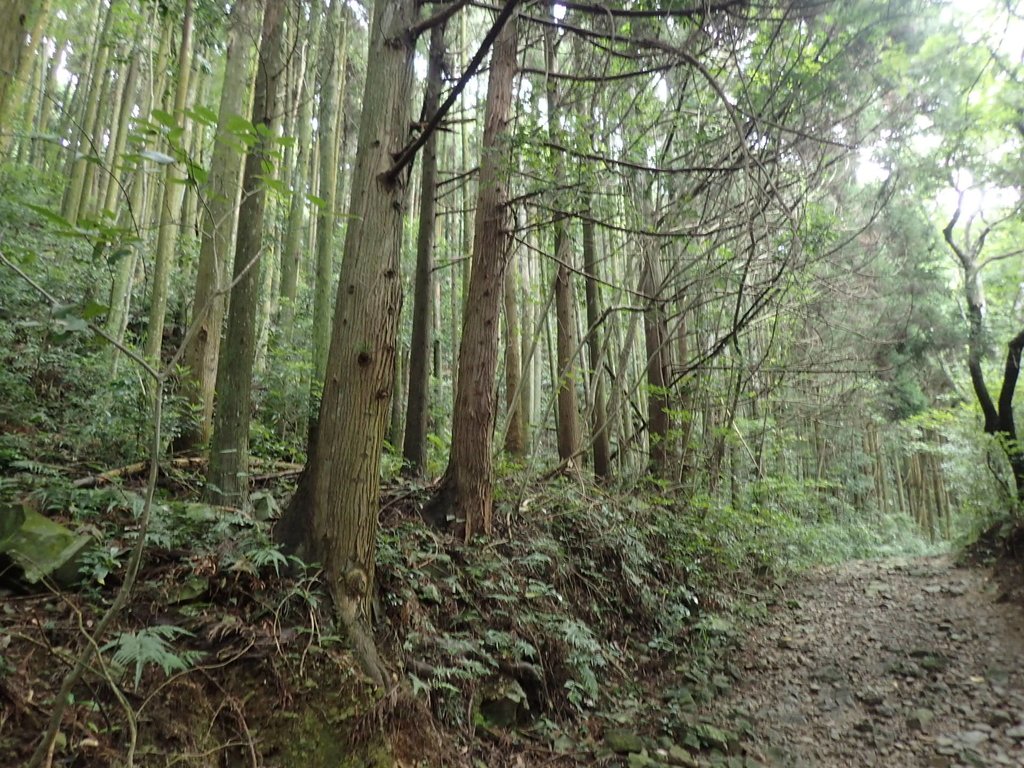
<point>202,354</point>
<point>414,447</point>
<point>466,491</point>
<point>83,147</point>
<point>565,300</point>
<point>658,369</point>
<point>291,254</point>
<point>170,207</point>
<point>341,482</point>
<point>228,477</point>
<point>515,436</point>
<point>333,63</point>
<point>17,44</point>
<point>599,426</point>
<point>998,414</point>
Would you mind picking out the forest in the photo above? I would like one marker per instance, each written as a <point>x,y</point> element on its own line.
<point>458,382</point>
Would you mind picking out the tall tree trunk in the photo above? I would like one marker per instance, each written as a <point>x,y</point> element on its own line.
<point>515,437</point>
<point>16,59</point>
<point>565,300</point>
<point>339,492</point>
<point>170,207</point>
<point>466,490</point>
<point>115,165</point>
<point>291,254</point>
<point>658,369</point>
<point>202,353</point>
<point>83,147</point>
<point>599,426</point>
<point>132,216</point>
<point>414,448</point>
<point>228,478</point>
<point>333,64</point>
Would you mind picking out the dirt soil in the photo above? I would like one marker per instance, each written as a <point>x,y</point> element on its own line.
<point>885,663</point>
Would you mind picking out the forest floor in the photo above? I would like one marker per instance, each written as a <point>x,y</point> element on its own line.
<point>909,662</point>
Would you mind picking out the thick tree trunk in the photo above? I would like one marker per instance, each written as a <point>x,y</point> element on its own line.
<point>414,448</point>
<point>466,491</point>
<point>202,354</point>
<point>16,58</point>
<point>228,478</point>
<point>342,478</point>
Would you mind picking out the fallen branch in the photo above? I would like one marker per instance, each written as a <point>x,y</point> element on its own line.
<point>282,469</point>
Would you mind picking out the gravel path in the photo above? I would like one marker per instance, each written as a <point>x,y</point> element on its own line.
<point>886,663</point>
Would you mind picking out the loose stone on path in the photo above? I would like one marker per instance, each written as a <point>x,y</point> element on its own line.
<point>877,663</point>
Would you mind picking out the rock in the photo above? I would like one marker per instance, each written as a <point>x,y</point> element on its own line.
<point>713,737</point>
<point>972,738</point>
<point>871,698</point>
<point>642,760</point>
<point>679,756</point>
<point>934,663</point>
<point>920,719</point>
<point>504,703</point>
<point>40,547</point>
<point>1017,732</point>
<point>623,741</point>
<point>829,674</point>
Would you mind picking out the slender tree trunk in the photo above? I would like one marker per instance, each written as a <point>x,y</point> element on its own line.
<point>291,255</point>
<point>170,207</point>
<point>565,300</point>
<point>467,486</point>
<point>599,427</point>
<point>414,448</point>
<point>515,438</point>
<point>999,420</point>
<point>333,63</point>
<point>115,165</point>
<point>84,145</point>
<point>228,478</point>
<point>132,215</point>
<point>658,372</point>
<point>202,354</point>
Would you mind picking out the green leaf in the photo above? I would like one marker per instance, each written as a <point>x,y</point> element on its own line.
<point>49,215</point>
<point>276,185</point>
<point>239,126</point>
<point>164,118</point>
<point>202,114</point>
<point>94,309</point>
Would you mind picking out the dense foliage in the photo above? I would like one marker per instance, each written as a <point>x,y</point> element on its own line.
<point>649,304</point>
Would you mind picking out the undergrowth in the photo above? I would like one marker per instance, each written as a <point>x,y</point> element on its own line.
<point>557,625</point>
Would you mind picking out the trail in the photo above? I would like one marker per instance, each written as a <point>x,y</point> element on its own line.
<point>885,663</point>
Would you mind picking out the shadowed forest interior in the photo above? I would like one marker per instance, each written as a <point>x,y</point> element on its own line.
<point>440,382</point>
